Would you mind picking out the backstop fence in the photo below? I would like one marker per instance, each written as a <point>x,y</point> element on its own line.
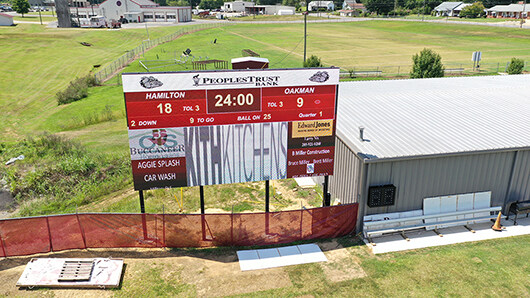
<point>31,235</point>
<point>110,70</point>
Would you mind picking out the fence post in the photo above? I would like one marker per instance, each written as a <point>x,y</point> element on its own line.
<point>398,70</point>
<point>497,66</point>
<point>164,226</point>
<point>2,245</point>
<point>81,229</point>
<point>49,233</point>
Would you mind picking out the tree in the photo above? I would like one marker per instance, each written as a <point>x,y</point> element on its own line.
<point>21,6</point>
<point>474,10</point>
<point>295,3</point>
<point>428,64</point>
<point>210,4</point>
<point>178,3</point>
<point>313,61</point>
<point>379,6</point>
<point>516,66</point>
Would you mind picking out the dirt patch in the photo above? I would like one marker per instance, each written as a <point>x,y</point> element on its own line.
<point>108,201</point>
<point>211,275</point>
<point>213,278</point>
<point>341,265</point>
<point>7,204</point>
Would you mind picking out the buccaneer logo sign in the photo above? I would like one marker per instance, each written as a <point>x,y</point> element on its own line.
<point>156,143</point>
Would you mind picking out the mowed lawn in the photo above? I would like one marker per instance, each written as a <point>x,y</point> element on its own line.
<point>38,62</point>
<point>492,268</point>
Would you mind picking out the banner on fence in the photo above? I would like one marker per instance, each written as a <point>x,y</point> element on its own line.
<point>205,128</point>
<point>25,236</point>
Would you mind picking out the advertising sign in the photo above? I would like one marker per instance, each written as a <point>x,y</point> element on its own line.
<point>217,127</point>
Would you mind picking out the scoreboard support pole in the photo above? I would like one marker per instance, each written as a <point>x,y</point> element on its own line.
<point>201,189</point>
<point>267,196</point>
<point>203,219</point>
<point>142,205</point>
<point>325,195</point>
<point>142,210</point>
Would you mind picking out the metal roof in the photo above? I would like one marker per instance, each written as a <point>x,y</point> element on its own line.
<point>424,117</point>
<point>510,8</point>
<point>447,6</point>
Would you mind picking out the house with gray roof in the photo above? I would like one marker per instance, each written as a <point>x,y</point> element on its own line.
<point>512,11</point>
<point>446,9</point>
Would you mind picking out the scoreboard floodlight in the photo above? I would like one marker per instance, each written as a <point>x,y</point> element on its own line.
<point>217,127</point>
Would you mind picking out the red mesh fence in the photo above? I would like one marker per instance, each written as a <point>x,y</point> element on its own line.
<point>53,233</point>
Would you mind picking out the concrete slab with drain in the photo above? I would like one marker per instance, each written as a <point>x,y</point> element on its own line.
<point>64,273</point>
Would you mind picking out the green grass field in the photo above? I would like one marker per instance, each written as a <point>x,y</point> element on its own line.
<point>33,18</point>
<point>491,268</point>
<point>40,62</point>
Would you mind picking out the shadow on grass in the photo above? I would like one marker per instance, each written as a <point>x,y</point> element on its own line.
<point>225,254</point>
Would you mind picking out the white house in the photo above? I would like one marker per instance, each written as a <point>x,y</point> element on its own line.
<point>270,10</point>
<point>237,6</point>
<point>6,20</point>
<point>135,11</point>
<point>316,5</point>
<point>458,9</point>
<point>512,11</point>
<point>446,9</point>
<point>353,5</point>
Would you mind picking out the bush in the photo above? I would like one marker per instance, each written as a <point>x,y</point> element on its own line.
<point>427,64</point>
<point>313,61</point>
<point>474,10</point>
<point>58,174</point>
<point>76,90</point>
<point>516,66</point>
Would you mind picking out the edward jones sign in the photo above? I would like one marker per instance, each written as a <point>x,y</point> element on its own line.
<point>204,128</point>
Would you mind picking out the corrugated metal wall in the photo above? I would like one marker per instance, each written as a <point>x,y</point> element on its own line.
<point>520,185</point>
<point>345,183</point>
<point>428,177</point>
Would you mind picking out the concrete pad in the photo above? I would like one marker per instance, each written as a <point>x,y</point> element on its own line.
<point>249,260</point>
<point>305,182</point>
<point>451,235</point>
<point>45,272</point>
<point>312,253</point>
<point>278,257</point>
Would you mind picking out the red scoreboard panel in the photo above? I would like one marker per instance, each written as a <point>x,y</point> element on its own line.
<point>203,128</point>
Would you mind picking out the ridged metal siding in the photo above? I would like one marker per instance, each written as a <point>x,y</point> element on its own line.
<point>520,185</point>
<point>417,179</point>
<point>345,184</point>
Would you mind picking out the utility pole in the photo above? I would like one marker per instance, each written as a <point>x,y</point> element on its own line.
<point>423,12</point>
<point>305,26</point>
<point>522,19</point>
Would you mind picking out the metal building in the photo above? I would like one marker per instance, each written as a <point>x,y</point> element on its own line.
<point>433,137</point>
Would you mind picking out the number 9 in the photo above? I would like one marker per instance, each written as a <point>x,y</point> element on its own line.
<point>192,120</point>
<point>300,102</point>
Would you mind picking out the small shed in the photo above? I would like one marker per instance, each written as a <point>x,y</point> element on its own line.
<point>6,20</point>
<point>250,63</point>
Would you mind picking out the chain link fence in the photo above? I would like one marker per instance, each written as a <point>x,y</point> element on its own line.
<point>450,68</point>
<point>111,69</point>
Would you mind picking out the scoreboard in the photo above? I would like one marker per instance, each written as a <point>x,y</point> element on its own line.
<point>215,127</point>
